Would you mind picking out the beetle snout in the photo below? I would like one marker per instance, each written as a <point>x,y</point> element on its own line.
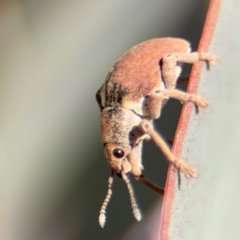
<point>117,158</point>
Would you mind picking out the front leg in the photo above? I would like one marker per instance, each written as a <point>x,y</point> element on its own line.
<point>135,159</point>
<point>187,170</point>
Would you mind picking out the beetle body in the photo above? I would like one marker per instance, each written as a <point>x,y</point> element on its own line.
<point>137,74</point>
<point>135,90</point>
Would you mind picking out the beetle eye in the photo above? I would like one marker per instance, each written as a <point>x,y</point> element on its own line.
<point>118,153</point>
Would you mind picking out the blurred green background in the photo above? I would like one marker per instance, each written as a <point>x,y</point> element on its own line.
<point>54,57</point>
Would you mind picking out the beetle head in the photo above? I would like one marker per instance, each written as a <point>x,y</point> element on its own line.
<point>117,158</point>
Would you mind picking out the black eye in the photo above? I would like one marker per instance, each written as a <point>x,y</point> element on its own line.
<point>118,153</point>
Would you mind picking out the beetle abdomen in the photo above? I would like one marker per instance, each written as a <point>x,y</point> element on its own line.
<point>138,71</point>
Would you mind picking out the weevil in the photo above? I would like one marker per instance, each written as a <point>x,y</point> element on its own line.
<point>132,96</point>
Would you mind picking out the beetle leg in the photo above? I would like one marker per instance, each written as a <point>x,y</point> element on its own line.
<point>194,57</point>
<point>171,64</point>
<point>149,184</point>
<point>187,170</point>
<point>186,97</point>
<point>135,158</point>
<point>155,103</point>
<point>157,100</point>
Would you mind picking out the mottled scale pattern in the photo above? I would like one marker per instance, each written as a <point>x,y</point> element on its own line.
<point>117,125</point>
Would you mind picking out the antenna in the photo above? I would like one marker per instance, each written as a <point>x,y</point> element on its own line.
<point>102,214</point>
<point>149,184</point>
<point>136,211</point>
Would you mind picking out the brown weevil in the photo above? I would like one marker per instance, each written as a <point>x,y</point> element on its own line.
<point>135,90</point>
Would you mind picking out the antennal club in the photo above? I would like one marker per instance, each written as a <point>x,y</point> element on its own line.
<point>102,214</point>
<point>136,211</point>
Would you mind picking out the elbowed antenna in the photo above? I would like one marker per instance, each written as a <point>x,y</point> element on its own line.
<point>136,211</point>
<point>102,214</point>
